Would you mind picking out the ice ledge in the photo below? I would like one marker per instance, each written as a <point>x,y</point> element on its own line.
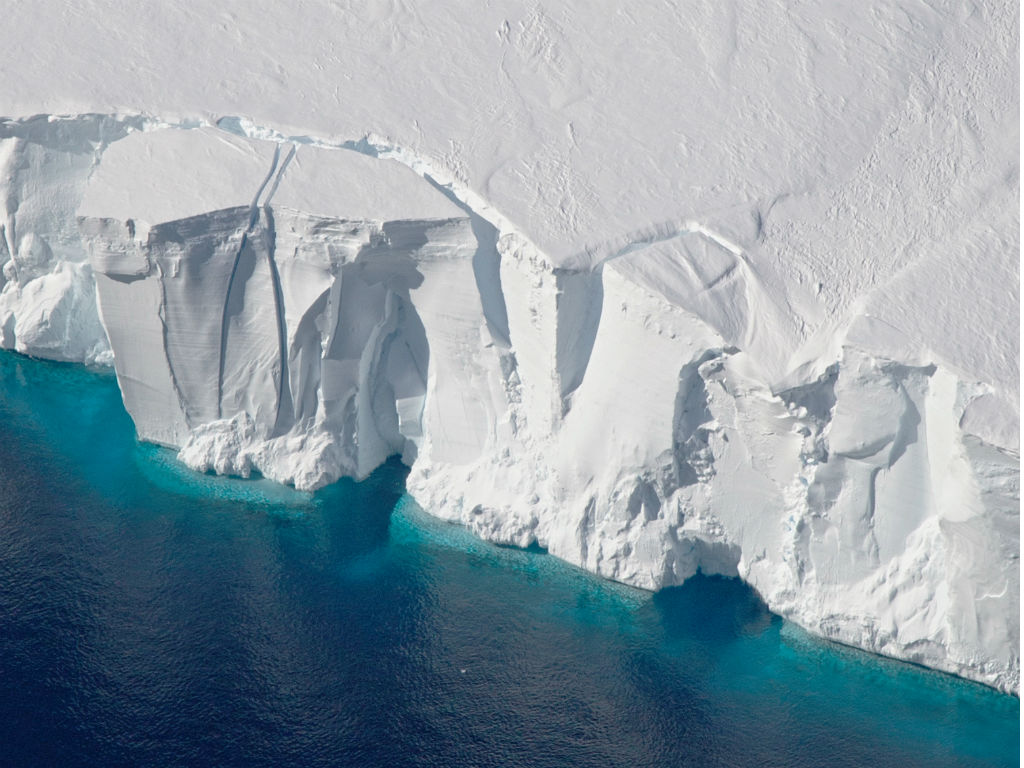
<point>643,413</point>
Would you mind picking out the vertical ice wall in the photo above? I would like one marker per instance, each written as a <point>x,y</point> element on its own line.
<point>268,335</point>
<point>47,300</point>
<point>305,313</point>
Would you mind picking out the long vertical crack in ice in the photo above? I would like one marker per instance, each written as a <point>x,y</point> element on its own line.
<point>254,215</point>
<point>283,390</point>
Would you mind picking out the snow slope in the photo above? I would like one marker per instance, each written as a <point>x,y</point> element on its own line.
<point>707,285</point>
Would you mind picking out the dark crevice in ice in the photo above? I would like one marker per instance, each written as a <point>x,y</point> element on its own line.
<point>254,218</point>
<point>486,267</point>
<point>280,173</point>
<point>254,206</point>
<point>285,413</point>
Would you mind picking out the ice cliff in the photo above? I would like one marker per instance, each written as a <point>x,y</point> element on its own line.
<point>779,343</point>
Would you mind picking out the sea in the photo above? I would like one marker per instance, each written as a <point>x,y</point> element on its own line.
<point>153,616</point>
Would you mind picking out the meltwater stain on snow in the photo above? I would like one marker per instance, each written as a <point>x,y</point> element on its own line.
<point>154,616</point>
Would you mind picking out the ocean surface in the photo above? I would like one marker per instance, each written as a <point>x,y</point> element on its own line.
<point>150,616</point>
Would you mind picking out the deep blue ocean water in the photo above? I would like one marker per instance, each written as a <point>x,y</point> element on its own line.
<point>150,616</point>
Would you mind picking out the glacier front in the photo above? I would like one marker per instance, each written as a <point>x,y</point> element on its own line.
<point>777,344</point>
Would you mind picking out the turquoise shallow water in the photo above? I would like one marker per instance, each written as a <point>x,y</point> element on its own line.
<point>153,616</point>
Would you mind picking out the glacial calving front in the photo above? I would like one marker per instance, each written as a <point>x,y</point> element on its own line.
<point>256,331</point>
<point>306,311</point>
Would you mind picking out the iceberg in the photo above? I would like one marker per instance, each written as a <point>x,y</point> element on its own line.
<point>762,324</point>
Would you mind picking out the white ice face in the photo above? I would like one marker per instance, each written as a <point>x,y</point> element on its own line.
<point>257,332</point>
<point>730,289</point>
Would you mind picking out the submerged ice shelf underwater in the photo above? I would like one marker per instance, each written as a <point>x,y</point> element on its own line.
<point>307,311</point>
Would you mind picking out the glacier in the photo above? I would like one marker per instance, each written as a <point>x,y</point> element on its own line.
<point>777,343</point>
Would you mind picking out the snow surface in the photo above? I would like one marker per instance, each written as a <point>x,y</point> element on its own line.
<point>730,286</point>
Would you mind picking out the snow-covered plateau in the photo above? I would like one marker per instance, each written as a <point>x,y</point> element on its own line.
<point>719,286</point>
